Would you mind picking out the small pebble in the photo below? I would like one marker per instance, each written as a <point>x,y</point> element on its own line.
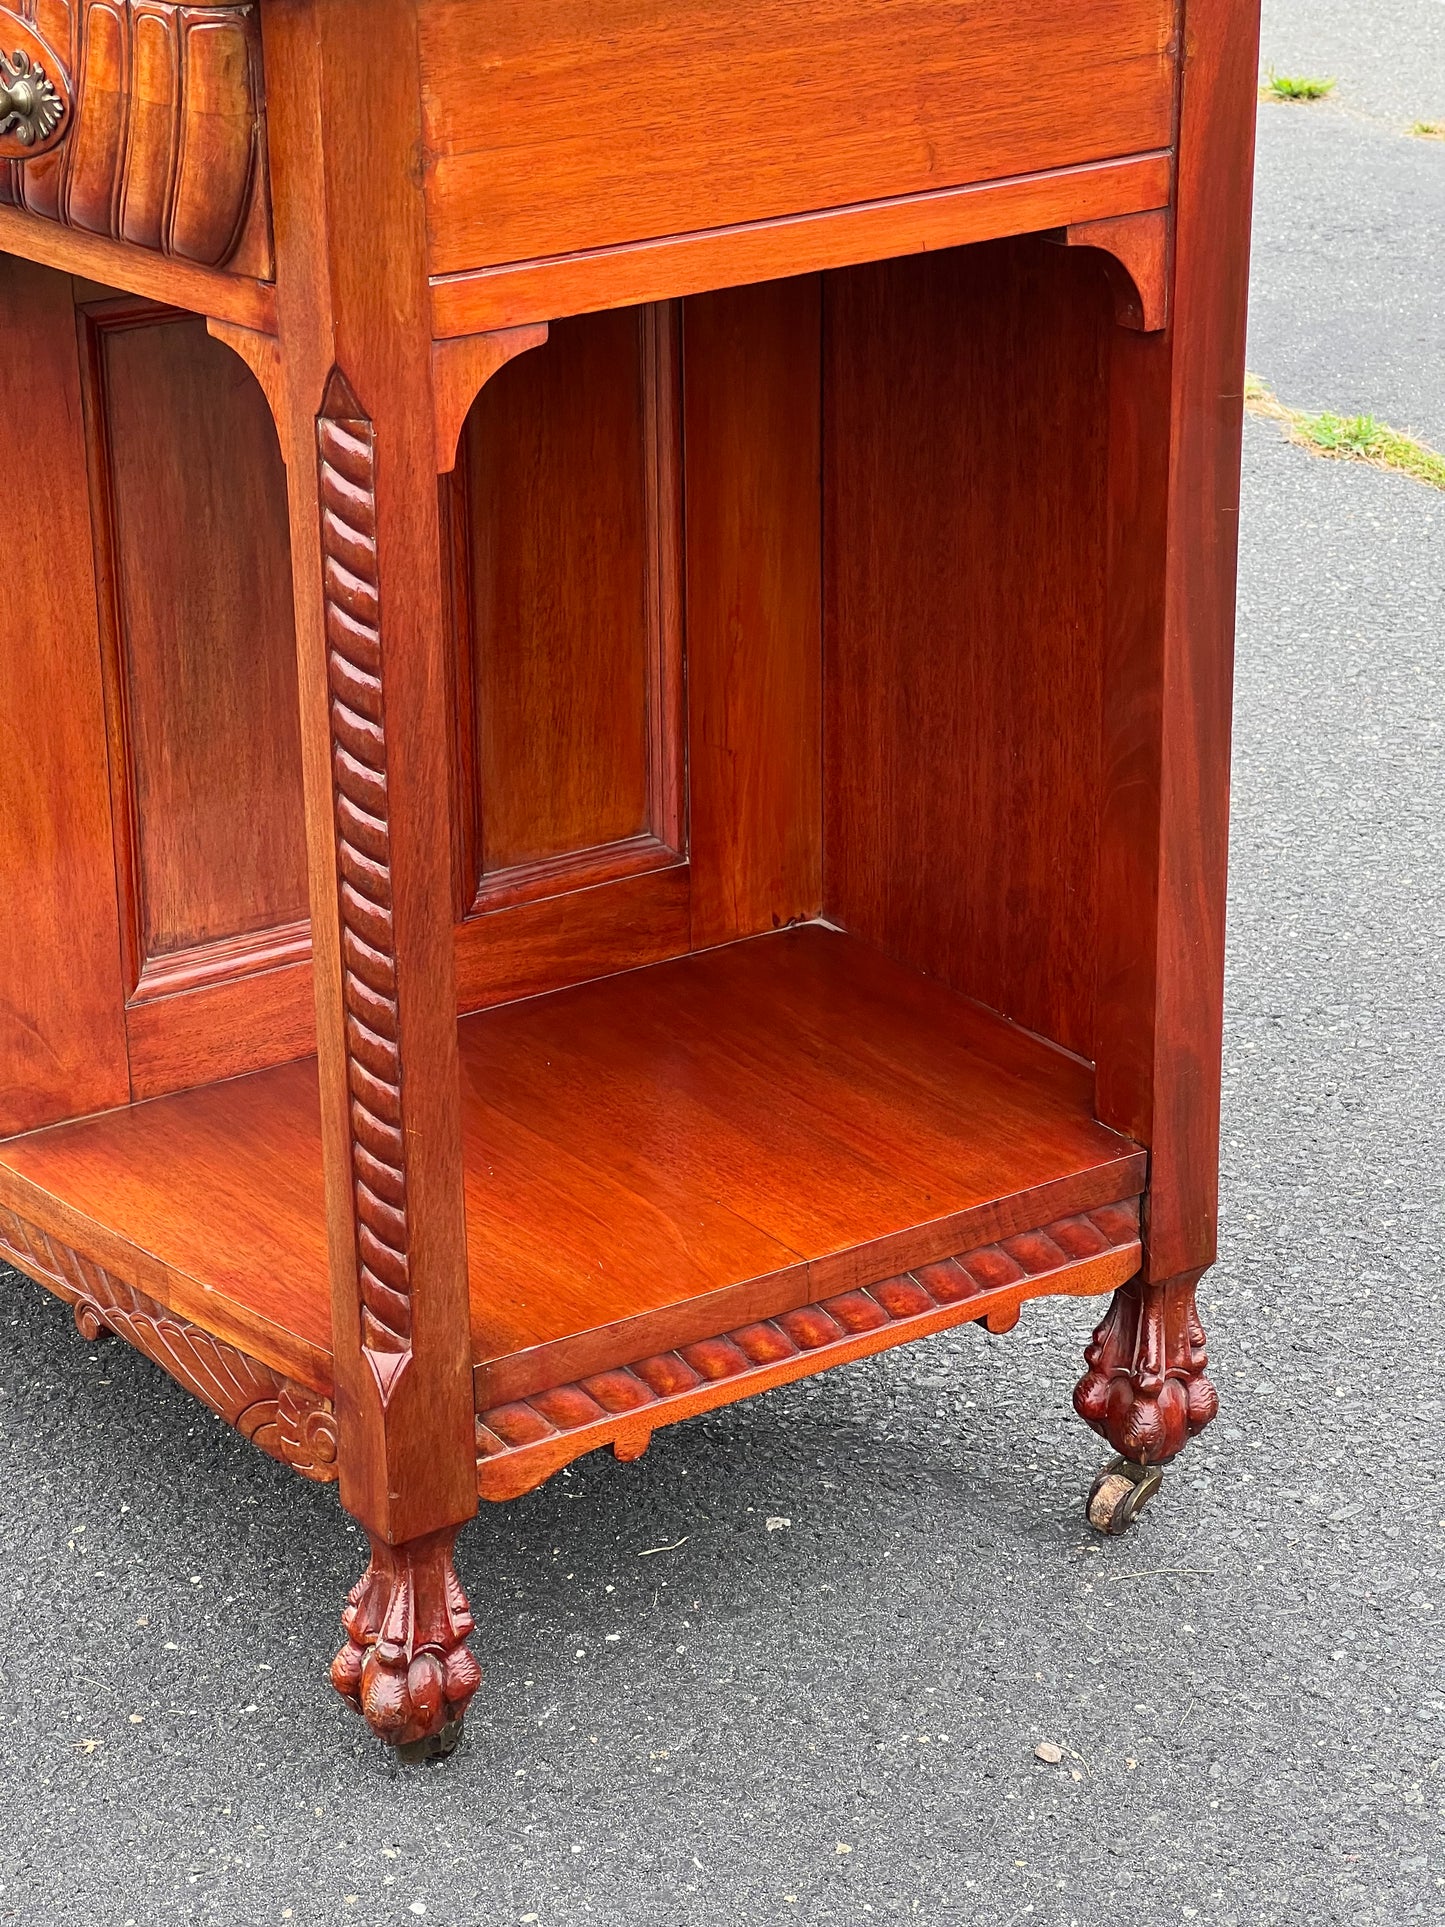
<point>1048,1753</point>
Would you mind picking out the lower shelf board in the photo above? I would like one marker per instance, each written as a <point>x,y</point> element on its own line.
<point>713,1145</point>
<point>521,1444</point>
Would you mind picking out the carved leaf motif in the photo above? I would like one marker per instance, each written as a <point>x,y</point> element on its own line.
<point>283,1419</point>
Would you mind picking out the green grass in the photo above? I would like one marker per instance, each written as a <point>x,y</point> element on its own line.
<point>1429,130</point>
<point>1349,438</point>
<point>1294,86</point>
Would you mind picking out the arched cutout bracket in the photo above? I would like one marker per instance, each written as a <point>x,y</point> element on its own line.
<point>1136,259</point>
<point>461,366</point>
<point>262,355</point>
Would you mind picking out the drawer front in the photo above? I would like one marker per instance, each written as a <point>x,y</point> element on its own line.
<point>556,126</point>
<point>156,135</point>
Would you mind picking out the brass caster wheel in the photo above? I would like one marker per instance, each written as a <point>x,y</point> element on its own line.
<point>1120,1494</point>
<point>436,1746</point>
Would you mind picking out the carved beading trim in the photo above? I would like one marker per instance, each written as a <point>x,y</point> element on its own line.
<point>621,1406</point>
<point>346,446</point>
<point>284,1419</point>
<point>177,166</point>
<point>1145,1390</point>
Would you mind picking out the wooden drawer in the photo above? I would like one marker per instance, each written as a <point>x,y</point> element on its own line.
<point>555,127</point>
<point>155,134</point>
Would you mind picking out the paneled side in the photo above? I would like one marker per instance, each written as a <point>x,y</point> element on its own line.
<point>191,533</point>
<point>965,435</point>
<point>754,645</point>
<point>569,468</point>
<point>62,1038</point>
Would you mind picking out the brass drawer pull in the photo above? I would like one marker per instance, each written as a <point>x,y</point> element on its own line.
<point>34,89</point>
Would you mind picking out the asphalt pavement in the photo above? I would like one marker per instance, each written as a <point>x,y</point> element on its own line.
<point>793,1664</point>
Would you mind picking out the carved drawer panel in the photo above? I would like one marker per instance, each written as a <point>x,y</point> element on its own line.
<point>152,129</point>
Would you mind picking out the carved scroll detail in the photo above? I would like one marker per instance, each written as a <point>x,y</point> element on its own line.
<point>1145,1390</point>
<point>405,1666</point>
<point>522,1442</point>
<point>284,1419</point>
<point>163,146</point>
<point>346,446</point>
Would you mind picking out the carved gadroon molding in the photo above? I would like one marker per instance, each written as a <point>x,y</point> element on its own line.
<point>521,1442</point>
<point>1145,1390</point>
<point>162,145</point>
<point>346,451</point>
<point>405,1666</point>
<point>284,1419</point>
<point>32,104</point>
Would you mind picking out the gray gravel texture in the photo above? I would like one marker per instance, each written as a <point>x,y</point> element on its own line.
<point>835,1719</point>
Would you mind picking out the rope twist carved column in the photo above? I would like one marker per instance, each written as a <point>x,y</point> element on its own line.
<point>347,456</point>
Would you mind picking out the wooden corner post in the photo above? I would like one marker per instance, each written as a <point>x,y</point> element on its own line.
<point>344,109</point>
<point>1176,412</point>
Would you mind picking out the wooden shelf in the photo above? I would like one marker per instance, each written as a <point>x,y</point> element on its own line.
<point>651,1160</point>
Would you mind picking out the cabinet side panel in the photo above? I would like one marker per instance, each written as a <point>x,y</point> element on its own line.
<point>965,435</point>
<point>62,1038</point>
<point>194,532</point>
<point>753,435</point>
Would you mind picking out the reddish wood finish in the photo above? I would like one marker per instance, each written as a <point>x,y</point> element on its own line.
<point>690,533</point>
<point>571,458</point>
<point>164,145</point>
<point>754,589</point>
<point>284,1419</point>
<point>649,1160</point>
<point>461,368</point>
<point>1176,408</point>
<point>205,745</point>
<point>755,251</point>
<point>62,1037</point>
<point>372,657</point>
<point>522,1443</point>
<point>1145,1390</point>
<point>671,120</point>
<point>1135,248</point>
<point>405,1666</point>
<point>964,618</point>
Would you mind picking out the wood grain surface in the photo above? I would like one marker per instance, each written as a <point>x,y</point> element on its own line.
<point>649,1159</point>
<point>711,112</point>
<point>965,489</point>
<point>62,1038</point>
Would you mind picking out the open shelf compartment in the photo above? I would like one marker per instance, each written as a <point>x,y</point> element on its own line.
<point>652,1160</point>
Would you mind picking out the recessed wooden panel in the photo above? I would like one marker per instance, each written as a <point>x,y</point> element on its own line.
<point>653,120</point>
<point>966,426</point>
<point>62,1039</point>
<point>192,539</point>
<point>754,646</point>
<point>569,466</point>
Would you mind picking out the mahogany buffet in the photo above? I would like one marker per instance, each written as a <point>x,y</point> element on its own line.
<point>616,667</point>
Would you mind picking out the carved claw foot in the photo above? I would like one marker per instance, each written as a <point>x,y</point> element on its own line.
<point>1145,1390</point>
<point>405,1666</point>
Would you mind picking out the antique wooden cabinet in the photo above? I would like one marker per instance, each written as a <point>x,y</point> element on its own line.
<point>616,678</point>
